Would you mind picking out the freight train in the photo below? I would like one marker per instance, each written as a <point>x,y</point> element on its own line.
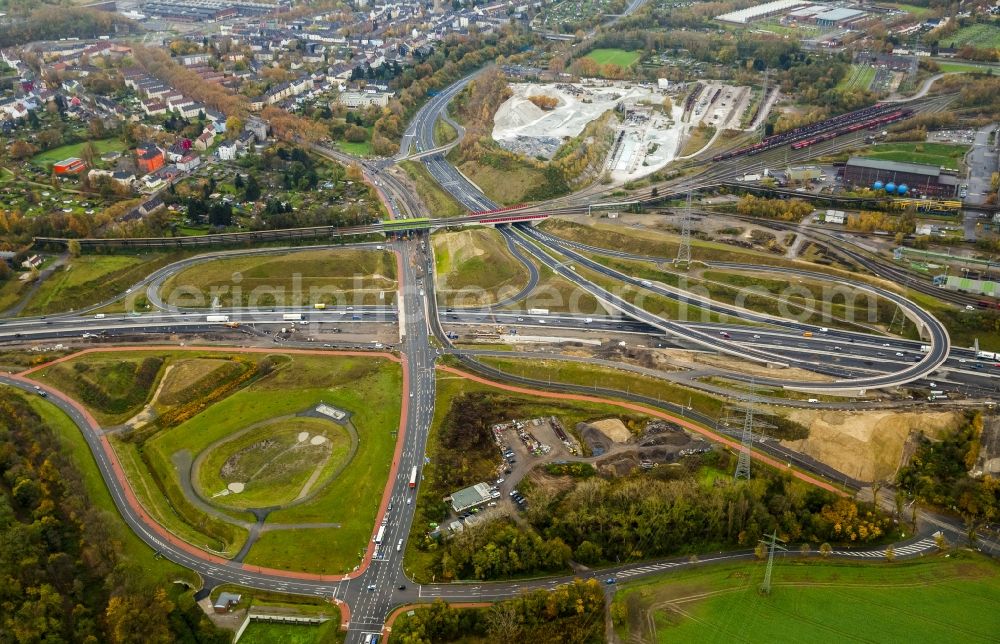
<point>870,124</point>
<point>863,116</point>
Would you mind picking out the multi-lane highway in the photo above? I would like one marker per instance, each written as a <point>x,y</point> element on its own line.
<point>855,358</point>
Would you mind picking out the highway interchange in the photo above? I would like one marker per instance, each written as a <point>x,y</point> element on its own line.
<point>855,360</point>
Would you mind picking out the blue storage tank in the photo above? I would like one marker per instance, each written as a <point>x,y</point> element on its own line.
<point>877,185</point>
<point>890,187</point>
<point>902,189</point>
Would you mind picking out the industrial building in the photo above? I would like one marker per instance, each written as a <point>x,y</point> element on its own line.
<point>470,497</point>
<point>899,178</point>
<point>744,16</point>
<point>71,165</point>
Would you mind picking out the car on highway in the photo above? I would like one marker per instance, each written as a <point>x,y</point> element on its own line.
<point>725,335</point>
<point>610,580</point>
<point>402,587</point>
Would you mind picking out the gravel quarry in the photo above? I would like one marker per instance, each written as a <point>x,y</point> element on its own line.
<point>648,137</point>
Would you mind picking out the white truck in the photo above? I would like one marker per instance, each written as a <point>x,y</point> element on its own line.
<point>538,311</point>
<point>646,283</point>
<point>291,317</point>
<point>925,348</point>
<point>217,318</point>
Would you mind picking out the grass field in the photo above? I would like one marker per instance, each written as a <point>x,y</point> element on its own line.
<point>90,279</point>
<point>982,35</point>
<point>369,388</point>
<point>438,202</point>
<point>264,633</point>
<point>273,463</point>
<point>474,267</point>
<point>334,276</point>
<point>963,68</point>
<point>943,155</point>
<point>938,599</point>
<point>919,12</point>
<point>77,451</point>
<point>56,155</point>
<point>618,57</point>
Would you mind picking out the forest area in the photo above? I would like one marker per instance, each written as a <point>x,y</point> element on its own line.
<point>52,23</point>
<point>570,613</point>
<point>65,575</point>
<point>938,474</point>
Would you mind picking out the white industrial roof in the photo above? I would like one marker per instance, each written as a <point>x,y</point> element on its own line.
<point>744,16</point>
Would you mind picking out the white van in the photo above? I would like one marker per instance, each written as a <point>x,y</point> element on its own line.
<point>399,545</point>
<point>99,316</point>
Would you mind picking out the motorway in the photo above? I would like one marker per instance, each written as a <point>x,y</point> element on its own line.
<point>375,588</point>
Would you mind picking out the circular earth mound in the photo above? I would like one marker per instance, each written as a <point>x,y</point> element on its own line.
<point>272,464</point>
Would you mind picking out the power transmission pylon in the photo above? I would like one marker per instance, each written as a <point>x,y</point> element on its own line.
<point>738,420</point>
<point>684,250</point>
<point>743,463</point>
<point>771,542</point>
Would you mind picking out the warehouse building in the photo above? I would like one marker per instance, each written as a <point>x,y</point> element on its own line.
<point>470,497</point>
<point>759,12</point>
<point>839,17</point>
<point>906,178</point>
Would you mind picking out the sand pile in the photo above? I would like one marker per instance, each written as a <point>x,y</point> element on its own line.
<point>865,445</point>
<point>613,429</point>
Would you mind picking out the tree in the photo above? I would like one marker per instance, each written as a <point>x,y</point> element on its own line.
<point>504,622</point>
<point>234,125</point>
<point>941,541</point>
<point>22,150</point>
<point>140,619</point>
<point>825,550</point>
<point>890,554</point>
<point>252,190</point>
<point>760,551</point>
<point>73,247</point>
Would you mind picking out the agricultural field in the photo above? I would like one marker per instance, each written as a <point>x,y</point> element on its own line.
<point>943,155</point>
<point>982,36</point>
<point>474,267</point>
<point>942,598</point>
<point>859,77</point>
<point>335,276</point>
<point>205,436</point>
<point>618,57</point>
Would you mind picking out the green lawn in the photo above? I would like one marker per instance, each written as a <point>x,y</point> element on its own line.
<point>937,599</point>
<point>937,154</point>
<point>274,475</point>
<point>963,68</point>
<point>56,155</point>
<point>358,149</point>
<point>982,35</point>
<point>369,388</point>
<point>264,633</point>
<point>619,57</point>
<point>919,12</point>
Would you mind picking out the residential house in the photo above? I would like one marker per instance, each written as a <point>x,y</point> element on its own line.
<point>204,141</point>
<point>149,158</point>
